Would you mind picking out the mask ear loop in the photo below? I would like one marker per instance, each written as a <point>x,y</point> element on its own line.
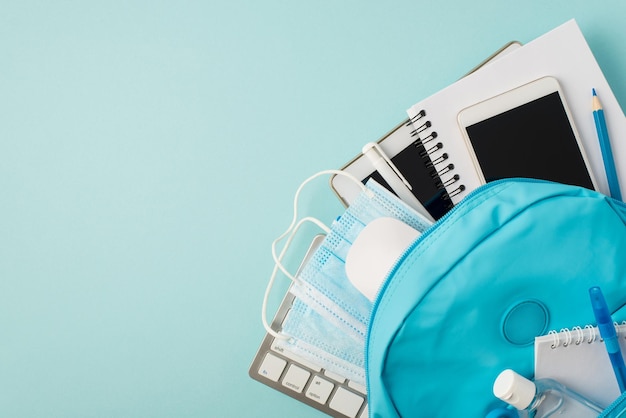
<point>291,231</point>
<point>278,259</point>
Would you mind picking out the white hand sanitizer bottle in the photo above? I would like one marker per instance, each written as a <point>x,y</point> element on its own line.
<point>542,398</point>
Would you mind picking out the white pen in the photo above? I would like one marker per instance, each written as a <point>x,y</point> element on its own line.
<point>390,173</point>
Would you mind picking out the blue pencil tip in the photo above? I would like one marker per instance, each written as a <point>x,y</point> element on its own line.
<point>594,92</point>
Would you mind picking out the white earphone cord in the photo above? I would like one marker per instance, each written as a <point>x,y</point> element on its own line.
<point>291,231</point>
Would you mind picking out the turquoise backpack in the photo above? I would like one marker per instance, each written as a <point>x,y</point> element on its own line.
<point>512,261</point>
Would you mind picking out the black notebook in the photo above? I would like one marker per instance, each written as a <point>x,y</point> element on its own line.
<point>416,166</point>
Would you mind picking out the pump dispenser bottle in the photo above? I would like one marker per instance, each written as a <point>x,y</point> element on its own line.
<point>542,398</point>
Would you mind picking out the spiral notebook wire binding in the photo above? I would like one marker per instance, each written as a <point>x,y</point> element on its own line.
<point>426,135</point>
<point>579,335</point>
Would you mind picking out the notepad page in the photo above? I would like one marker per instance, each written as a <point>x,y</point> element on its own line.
<point>562,53</point>
<point>579,364</point>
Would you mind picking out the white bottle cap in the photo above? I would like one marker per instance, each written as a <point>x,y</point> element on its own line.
<point>514,389</point>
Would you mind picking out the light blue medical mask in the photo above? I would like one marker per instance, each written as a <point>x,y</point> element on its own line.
<point>323,283</point>
<point>315,339</point>
<point>329,317</point>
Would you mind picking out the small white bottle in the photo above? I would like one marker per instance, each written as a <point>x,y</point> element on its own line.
<point>542,398</point>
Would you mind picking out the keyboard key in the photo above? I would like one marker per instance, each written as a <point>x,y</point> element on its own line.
<point>346,402</point>
<point>357,387</point>
<point>336,377</point>
<point>277,347</point>
<point>364,412</point>
<point>272,367</point>
<point>296,378</point>
<point>319,390</point>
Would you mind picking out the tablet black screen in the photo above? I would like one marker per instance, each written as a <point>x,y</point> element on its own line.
<point>534,140</point>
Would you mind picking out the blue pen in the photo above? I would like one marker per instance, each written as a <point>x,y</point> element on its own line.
<point>605,147</point>
<point>607,332</point>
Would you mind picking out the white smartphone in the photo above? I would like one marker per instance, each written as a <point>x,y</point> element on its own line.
<point>526,132</point>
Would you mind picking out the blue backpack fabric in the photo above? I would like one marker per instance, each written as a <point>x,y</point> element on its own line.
<point>617,409</point>
<point>512,261</point>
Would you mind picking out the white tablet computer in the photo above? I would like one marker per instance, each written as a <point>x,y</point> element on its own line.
<point>526,132</point>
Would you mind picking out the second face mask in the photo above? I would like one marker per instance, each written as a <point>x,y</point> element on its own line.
<point>315,339</point>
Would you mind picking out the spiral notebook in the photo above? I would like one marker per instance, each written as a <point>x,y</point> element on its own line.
<point>563,54</point>
<point>578,359</point>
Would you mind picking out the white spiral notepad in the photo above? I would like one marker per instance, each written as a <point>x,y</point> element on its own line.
<point>578,359</point>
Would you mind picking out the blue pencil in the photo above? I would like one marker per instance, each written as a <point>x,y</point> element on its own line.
<point>605,147</point>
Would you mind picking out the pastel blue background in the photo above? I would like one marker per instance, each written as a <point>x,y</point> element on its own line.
<point>149,153</point>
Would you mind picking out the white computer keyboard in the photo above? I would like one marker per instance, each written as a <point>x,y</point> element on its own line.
<point>303,380</point>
